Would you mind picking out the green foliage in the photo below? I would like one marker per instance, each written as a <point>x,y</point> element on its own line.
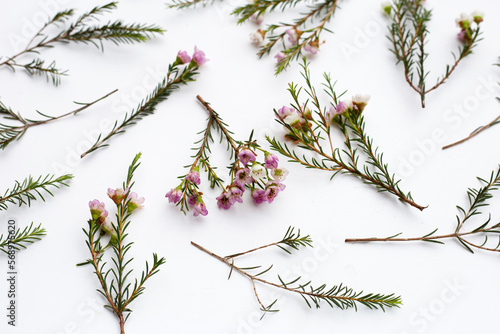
<point>313,135</point>
<point>177,76</point>
<point>477,199</point>
<point>22,193</point>
<point>308,25</point>
<point>408,35</point>
<point>83,30</point>
<point>114,279</point>
<point>337,296</point>
<point>20,239</point>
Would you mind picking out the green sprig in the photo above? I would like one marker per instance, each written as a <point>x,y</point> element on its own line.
<point>313,135</point>
<point>114,280</point>
<point>82,30</point>
<point>338,296</point>
<point>477,198</point>
<point>21,238</point>
<point>22,193</point>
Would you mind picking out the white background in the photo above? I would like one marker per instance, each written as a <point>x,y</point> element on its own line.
<point>444,288</point>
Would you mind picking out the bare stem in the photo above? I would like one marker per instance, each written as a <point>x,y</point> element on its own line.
<point>474,133</point>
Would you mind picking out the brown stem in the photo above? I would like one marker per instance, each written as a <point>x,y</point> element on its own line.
<point>219,123</point>
<point>474,133</point>
<point>258,279</point>
<point>429,238</point>
<point>74,112</point>
<point>462,56</point>
<point>102,280</point>
<point>251,250</point>
<point>122,324</point>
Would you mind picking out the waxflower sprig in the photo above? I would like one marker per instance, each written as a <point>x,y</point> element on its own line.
<point>182,71</point>
<point>20,239</point>
<point>478,130</point>
<point>310,126</point>
<point>408,33</point>
<point>296,38</point>
<point>22,193</point>
<point>263,179</point>
<point>337,296</point>
<point>115,285</point>
<point>477,199</point>
<point>83,30</point>
<point>11,132</point>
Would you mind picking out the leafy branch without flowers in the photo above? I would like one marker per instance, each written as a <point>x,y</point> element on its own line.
<point>9,132</point>
<point>478,130</point>
<point>82,30</point>
<point>477,199</point>
<point>296,38</point>
<point>408,35</point>
<point>182,71</point>
<point>310,126</point>
<point>22,193</point>
<point>337,296</point>
<point>20,239</point>
<point>114,282</point>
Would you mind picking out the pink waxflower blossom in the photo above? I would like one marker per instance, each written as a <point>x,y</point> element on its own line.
<point>194,176</point>
<point>242,177</point>
<point>279,174</point>
<point>257,37</point>
<point>183,57</point>
<point>312,47</point>
<point>199,57</point>
<point>284,111</point>
<point>97,210</point>
<point>174,195</point>
<point>224,201</point>
<point>330,114</point>
<point>341,108</point>
<point>117,195</point>
<point>258,196</point>
<point>360,101</point>
<point>463,37</point>
<point>271,161</point>
<point>258,172</point>
<point>246,155</point>
<point>134,202</point>
<point>257,18</point>
<point>279,57</point>
<point>272,190</point>
<point>108,227</point>
<point>235,192</point>
<point>294,120</point>
<point>293,36</point>
<point>200,207</point>
<point>192,199</point>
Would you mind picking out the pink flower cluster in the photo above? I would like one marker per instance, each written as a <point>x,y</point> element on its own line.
<point>133,201</point>
<point>264,179</point>
<point>119,196</point>
<point>195,199</point>
<point>468,25</point>
<point>198,58</point>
